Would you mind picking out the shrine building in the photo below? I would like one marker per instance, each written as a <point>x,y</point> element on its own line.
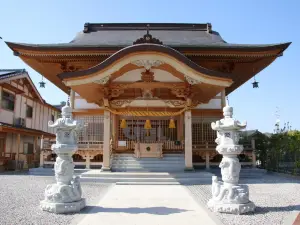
<point>147,91</point>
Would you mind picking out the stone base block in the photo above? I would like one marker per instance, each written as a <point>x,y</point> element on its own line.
<point>60,208</point>
<point>105,169</point>
<point>232,208</point>
<point>189,169</point>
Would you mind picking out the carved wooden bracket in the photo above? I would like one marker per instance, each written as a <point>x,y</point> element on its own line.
<point>191,80</point>
<point>120,103</point>
<point>147,63</point>
<point>147,76</point>
<point>227,67</point>
<point>195,103</point>
<point>114,93</point>
<point>103,80</point>
<point>66,67</point>
<point>175,103</point>
<point>181,92</point>
<point>147,38</point>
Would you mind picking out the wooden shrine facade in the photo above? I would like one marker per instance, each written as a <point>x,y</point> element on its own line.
<point>129,82</point>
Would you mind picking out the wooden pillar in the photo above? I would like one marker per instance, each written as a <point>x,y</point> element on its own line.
<point>0,97</point>
<point>41,159</point>
<point>253,153</point>
<point>188,141</point>
<point>106,142</point>
<point>207,166</point>
<point>18,150</point>
<point>72,99</point>
<point>114,128</point>
<point>88,161</point>
<point>42,142</point>
<point>180,127</point>
<point>223,99</point>
<point>42,151</point>
<point>36,150</point>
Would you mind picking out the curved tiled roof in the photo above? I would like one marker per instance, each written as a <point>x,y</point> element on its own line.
<point>144,48</point>
<point>120,35</point>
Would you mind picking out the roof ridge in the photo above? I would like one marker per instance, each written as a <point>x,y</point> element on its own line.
<point>88,27</point>
<point>11,70</point>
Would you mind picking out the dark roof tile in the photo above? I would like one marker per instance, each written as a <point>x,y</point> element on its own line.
<point>6,73</point>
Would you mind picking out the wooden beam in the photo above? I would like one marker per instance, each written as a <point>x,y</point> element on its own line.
<point>11,88</point>
<point>18,149</point>
<point>147,85</point>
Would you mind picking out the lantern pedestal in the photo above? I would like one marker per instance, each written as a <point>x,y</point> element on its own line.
<point>232,208</point>
<point>229,196</point>
<point>64,196</point>
<point>60,208</point>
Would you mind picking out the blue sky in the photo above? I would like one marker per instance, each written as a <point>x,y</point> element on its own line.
<point>243,22</point>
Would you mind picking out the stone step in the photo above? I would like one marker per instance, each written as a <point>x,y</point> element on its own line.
<point>199,180</point>
<point>149,168</point>
<point>147,183</point>
<point>148,164</point>
<point>128,163</point>
<point>131,168</point>
<point>148,160</point>
<point>99,174</point>
<point>132,155</point>
<point>50,171</point>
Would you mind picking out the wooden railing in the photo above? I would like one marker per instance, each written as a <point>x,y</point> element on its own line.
<point>47,144</point>
<point>167,145</point>
<point>207,146</point>
<point>212,146</point>
<point>81,144</point>
<point>90,145</point>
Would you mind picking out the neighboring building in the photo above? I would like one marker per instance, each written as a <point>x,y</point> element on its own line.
<point>149,90</point>
<point>24,117</point>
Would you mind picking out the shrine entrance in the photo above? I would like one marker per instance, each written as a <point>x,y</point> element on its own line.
<point>163,134</point>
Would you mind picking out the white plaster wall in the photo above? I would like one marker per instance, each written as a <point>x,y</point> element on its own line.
<point>9,142</point>
<point>37,117</point>
<point>41,115</point>
<point>28,122</point>
<point>82,104</point>
<point>212,104</point>
<point>6,116</point>
<point>159,75</point>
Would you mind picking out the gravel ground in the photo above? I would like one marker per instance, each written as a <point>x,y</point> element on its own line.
<point>20,196</point>
<point>275,198</point>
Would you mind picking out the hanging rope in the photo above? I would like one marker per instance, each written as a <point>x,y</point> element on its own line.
<point>147,113</point>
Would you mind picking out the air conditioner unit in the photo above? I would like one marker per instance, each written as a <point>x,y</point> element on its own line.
<point>20,122</point>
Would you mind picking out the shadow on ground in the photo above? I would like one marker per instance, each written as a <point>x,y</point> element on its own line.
<point>288,208</point>
<point>133,210</point>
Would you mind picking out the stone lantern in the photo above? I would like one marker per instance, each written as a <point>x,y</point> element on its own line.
<point>65,195</point>
<point>229,196</point>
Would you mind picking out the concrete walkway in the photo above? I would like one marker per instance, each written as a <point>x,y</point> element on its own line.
<point>147,205</point>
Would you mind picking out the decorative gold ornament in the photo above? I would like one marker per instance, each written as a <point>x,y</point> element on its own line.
<point>147,125</point>
<point>123,124</point>
<point>172,124</point>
